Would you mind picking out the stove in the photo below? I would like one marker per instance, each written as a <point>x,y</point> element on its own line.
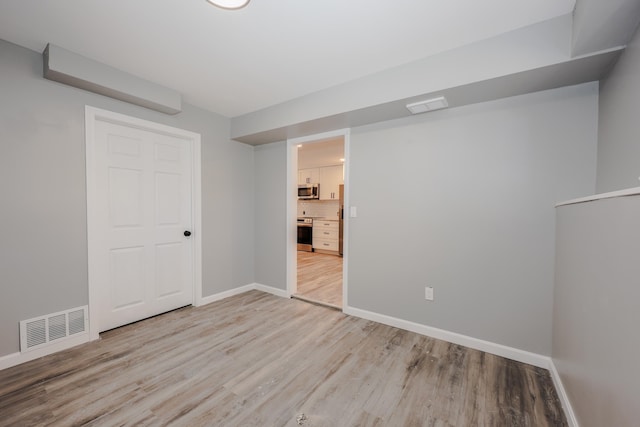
<point>305,234</point>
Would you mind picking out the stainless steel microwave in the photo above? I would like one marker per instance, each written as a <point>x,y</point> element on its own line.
<point>309,191</point>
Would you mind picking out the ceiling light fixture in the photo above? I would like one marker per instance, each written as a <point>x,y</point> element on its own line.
<point>229,4</point>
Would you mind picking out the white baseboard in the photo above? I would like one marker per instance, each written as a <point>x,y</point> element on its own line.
<point>562,395</point>
<point>271,290</point>
<point>18,358</point>
<point>475,343</point>
<point>242,289</point>
<point>225,294</point>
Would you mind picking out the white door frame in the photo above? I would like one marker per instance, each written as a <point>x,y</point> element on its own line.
<point>91,116</point>
<point>292,208</point>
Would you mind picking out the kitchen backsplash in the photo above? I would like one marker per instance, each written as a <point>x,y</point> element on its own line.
<point>319,208</point>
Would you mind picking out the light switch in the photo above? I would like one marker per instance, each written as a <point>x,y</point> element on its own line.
<point>353,212</point>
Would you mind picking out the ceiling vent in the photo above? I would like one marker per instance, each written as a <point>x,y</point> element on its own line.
<point>428,105</point>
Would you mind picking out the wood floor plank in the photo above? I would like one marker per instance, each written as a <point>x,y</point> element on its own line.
<point>320,278</point>
<point>258,360</point>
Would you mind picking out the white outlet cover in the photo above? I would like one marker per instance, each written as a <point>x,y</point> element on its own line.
<point>428,293</point>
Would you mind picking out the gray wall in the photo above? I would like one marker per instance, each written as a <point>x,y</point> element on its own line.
<point>595,302</point>
<point>463,200</point>
<point>271,213</point>
<point>596,317</point>
<point>619,124</point>
<point>43,255</point>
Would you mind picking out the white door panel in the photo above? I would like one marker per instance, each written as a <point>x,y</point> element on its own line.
<point>125,197</point>
<point>168,277</point>
<point>168,189</point>
<point>127,276</point>
<point>143,190</point>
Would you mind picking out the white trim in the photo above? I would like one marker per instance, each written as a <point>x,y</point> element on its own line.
<point>572,420</point>
<point>18,358</point>
<point>242,289</point>
<point>290,217</point>
<point>292,206</point>
<point>225,294</point>
<point>92,114</point>
<point>620,193</point>
<point>467,341</point>
<point>271,290</point>
<point>196,215</point>
<point>346,219</point>
<point>90,131</point>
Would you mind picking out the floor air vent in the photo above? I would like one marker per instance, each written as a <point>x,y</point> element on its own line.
<point>40,331</point>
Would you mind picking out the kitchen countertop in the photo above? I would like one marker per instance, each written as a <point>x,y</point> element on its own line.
<point>320,218</point>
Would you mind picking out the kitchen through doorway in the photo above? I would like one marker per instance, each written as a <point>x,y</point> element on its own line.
<point>320,221</point>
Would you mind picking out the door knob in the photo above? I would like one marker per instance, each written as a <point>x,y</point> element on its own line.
<point>187,233</point>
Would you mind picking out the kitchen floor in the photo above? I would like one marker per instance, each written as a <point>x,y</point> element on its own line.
<point>320,279</point>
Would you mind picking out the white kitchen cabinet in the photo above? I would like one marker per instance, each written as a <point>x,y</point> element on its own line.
<point>331,177</point>
<point>326,236</point>
<point>309,176</point>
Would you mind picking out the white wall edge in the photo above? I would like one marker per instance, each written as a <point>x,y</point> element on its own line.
<point>271,290</point>
<point>562,395</point>
<point>196,216</point>
<point>225,294</point>
<point>18,358</point>
<point>455,338</point>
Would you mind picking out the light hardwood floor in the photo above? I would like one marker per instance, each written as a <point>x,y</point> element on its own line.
<point>320,278</point>
<point>259,360</point>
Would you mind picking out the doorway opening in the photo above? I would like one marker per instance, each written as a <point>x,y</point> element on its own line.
<point>317,176</point>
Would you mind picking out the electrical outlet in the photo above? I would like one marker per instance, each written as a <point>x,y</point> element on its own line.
<point>428,293</point>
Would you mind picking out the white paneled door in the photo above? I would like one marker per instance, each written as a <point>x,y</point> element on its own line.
<point>141,233</point>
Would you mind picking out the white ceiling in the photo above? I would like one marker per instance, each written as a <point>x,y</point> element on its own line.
<point>236,62</point>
